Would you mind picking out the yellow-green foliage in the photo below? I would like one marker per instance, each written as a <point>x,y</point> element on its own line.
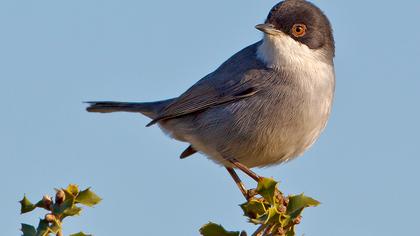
<point>65,204</point>
<point>274,213</point>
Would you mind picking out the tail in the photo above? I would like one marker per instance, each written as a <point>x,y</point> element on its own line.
<point>149,109</point>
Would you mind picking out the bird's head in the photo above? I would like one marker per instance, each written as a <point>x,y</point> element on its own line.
<point>298,27</point>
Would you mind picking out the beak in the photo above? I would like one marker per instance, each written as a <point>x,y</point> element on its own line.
<point>268,29</point>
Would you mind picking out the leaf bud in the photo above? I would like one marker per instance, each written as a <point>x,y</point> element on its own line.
<point>50,217</point>
<point>282,208</point>
<point>60,196</point>
<point>297,220</point>
<point>47,201</point>
<point>286,201</point>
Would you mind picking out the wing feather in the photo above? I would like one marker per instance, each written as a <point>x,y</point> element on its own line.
<point>240,77</point>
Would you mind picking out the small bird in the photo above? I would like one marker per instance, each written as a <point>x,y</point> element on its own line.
<point>265,105</point>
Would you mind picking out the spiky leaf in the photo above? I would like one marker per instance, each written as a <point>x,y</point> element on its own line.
<point>73,211</point>
<point>73,189</point>
<point>88,198</point>
<point>253,208</point>
<point>43,228</point>
<point>267,189</point>
<point>291,232</point>
<point>68,195</point>
<point>299,202</point>
<point>61,208</point>
<point>28,230</point>
<point>80,234</point>
<point>212,229</point>
<point>40,204</point>
<point>273,216</point>
<point>26,205</point>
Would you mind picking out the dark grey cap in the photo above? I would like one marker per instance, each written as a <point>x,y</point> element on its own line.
<point>285,15</point>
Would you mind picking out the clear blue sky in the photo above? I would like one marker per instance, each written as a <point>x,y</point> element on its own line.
<point>56,54</point>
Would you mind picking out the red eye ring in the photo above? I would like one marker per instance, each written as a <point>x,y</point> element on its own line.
<point>299,30</point>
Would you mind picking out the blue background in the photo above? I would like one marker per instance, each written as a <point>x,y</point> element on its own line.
<point>56,54</point>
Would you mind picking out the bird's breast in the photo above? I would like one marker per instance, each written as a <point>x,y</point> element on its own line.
<point>304,111</point>
<point>286,119</point>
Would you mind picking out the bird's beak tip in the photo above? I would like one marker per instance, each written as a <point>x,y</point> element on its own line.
<point>266,28</point>
<point>260,27</point>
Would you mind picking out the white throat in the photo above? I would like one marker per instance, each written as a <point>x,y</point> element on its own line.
<point>283,51</point>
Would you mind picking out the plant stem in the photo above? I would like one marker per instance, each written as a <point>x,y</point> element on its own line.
<point>260,231</point>
<point>60,231</point>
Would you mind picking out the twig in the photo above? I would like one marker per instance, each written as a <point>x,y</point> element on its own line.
<point>260,231</point>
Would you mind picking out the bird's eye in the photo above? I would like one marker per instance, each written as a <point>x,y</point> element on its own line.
<point>299,30</point>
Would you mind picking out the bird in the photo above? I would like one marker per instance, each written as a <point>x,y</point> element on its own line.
<point>265,105</point>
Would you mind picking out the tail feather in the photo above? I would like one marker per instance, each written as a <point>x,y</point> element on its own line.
<point>147,109</point>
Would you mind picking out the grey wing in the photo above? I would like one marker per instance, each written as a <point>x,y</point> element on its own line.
<point>202,97</point>
<point>242,76</point>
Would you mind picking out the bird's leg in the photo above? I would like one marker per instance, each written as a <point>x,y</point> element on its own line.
<point>245,169</point>
<point>238,181</point>
<point>247,193</point>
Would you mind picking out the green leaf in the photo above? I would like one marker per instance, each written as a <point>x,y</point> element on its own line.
<point>68,195</point>
<point>73,189</point>
<point>72,211</point>
<point>88,198</point>
<point>285,220</point>
<point>254,209</point>
<point>43,228</point>
<point>26,205</point>
<point>291,232</point>
<point>80,234</point>
<point>273,216</point>
<point>28,230</point>
<point>40,204</point>
<point>298,203</point>
<point>66,205</point>
<point>212,229</point>
<point>267,189</point>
